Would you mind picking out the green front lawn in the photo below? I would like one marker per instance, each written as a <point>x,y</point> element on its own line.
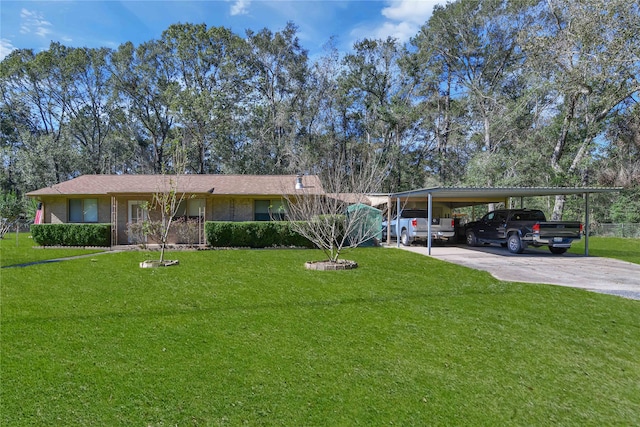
<point>22,250</point>
<point>250,337</point>
<point>610,247</point>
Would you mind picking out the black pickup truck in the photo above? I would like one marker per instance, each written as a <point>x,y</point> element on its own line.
<point>518,228</point>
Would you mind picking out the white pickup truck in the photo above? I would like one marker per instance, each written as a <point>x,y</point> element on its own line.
<point>414,225</point>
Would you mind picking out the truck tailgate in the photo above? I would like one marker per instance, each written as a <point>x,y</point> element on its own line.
<point>439,224</point>
<point>560,229</point>
<point>422,225</point>
<point>445,224</point>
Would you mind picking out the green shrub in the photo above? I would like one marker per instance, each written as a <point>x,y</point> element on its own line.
<point>71,234</point>
<point>253,234</point>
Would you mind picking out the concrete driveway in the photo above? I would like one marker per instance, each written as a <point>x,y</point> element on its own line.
<point>596,274</point>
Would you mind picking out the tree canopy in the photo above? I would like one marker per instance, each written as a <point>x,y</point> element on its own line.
<point>522,92</point>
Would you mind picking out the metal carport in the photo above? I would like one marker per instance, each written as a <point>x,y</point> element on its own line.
<point>470,196</point>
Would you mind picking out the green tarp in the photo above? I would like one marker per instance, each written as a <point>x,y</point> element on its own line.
<point>368,223</point>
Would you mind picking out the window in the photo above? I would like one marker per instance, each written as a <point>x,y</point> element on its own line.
<point>83,210</point>
<point>192,208</point>
<point>137,211</point>
<point>195,207</point>
<point>533,216</point>
<point>268,210</point>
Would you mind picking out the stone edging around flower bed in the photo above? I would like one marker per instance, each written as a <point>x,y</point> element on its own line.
<point>152,263</point>
<point>342,264</point>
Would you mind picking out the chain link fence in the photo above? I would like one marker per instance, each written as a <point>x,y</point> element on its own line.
<point>615,230</point>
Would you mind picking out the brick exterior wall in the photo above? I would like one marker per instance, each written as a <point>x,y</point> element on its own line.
<point>222,209</point>
<point>104,209</point>
<point>56,211</point>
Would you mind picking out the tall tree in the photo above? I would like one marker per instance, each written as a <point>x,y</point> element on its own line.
<point>146,83</point>
<point>210,97</point>
<point>89,108</point>
<point>279,69</point>
<point>469,62</point>
<point>380,101</point>
<point>330,122</point>
<point>587,55</point>
<point>35,96</point>
<point>619,164</point>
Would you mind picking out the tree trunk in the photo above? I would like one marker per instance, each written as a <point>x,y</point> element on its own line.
<point>487,133</point>
<point>558,208</point>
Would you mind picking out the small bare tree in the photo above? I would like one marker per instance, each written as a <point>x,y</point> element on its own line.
<point>326,219</point>
<point>166,201</point>
<point>167,204</point>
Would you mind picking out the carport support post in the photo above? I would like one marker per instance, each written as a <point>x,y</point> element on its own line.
<point>586,224</point>
<point>388,236</point>
<point>397,222</point>
<point>429,219</point>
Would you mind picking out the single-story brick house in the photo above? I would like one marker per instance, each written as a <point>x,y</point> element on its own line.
<point>118,199</point>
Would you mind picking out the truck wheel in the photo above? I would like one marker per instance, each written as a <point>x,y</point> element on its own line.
<point>557,251</point>
<point>471,239</point>
<point>514,244</point>
<point>404,238</point>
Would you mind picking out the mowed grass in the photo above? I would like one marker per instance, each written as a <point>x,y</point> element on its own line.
<point>22,250</point>
<point>610,247</point>
<point>249,337</point>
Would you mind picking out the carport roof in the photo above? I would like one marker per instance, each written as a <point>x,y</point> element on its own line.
<point>468,196</point>
<point>473,195</point>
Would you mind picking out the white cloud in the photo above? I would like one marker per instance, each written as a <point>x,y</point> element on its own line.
<point>403,20</point>
<point>401,31</point>
<point>5,48</point>
<point>42,31</point>
<point>413,11</point>
<point>34,22</point>
<point>240,7</point>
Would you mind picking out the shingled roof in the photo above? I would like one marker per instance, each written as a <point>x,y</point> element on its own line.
<point>258,185</point>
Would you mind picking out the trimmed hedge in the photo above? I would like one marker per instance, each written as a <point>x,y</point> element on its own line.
<point>253,234</point>
<point>71,234</point>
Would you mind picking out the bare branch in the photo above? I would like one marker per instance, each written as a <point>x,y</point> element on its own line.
<point>326,219</point>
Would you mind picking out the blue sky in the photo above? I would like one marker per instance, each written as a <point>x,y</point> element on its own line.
<point>95,23</point>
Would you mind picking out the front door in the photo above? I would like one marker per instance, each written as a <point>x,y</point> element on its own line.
<point>137,214</point>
